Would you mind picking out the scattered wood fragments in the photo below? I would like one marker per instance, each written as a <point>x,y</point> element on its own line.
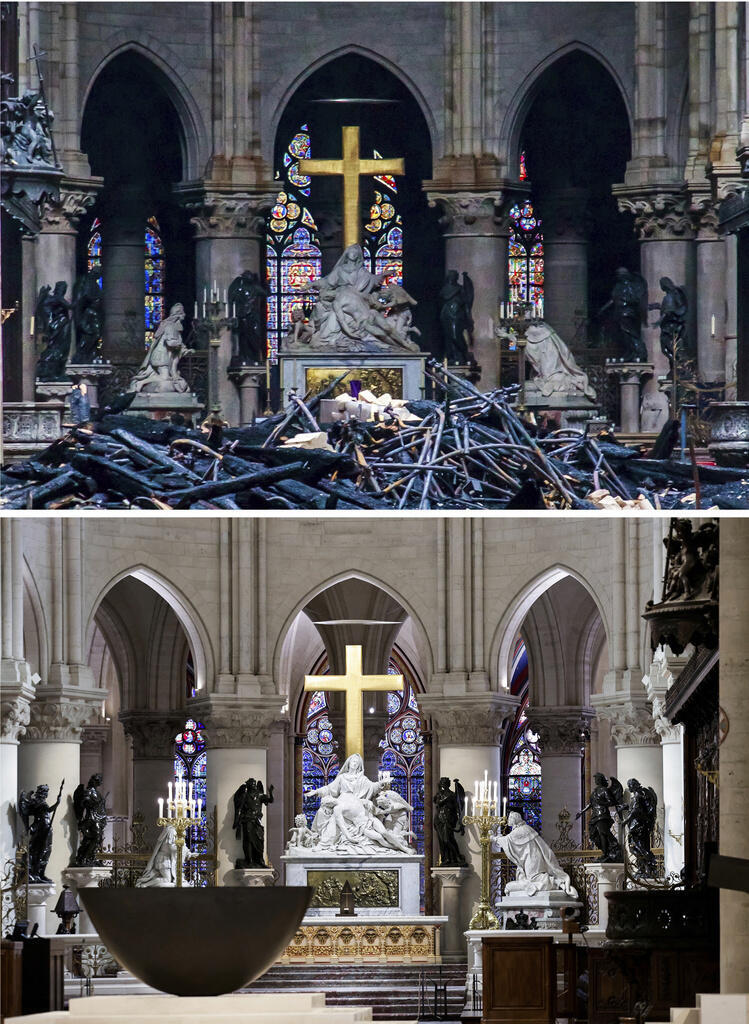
<point>468,451</point>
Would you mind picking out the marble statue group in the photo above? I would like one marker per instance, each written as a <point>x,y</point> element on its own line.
<point>538,869</point>
<point>356,816</point>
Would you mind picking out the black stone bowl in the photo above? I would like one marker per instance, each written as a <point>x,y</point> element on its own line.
<point>197,942</point>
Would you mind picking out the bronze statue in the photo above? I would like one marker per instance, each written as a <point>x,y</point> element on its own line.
<point>640,822</point>
<point>602,799</point>
<point>247,298</point>
<point>448,821</point>
<point>691,562</point>
<point>456,304</point>
<point>25,124</point>
<point>87,317</point>
<point>248,826</point>
<point>53,320</point>
<point>628,305</point>
<point>91,812</point>
<point>34,805</point>
<point>673,319</point>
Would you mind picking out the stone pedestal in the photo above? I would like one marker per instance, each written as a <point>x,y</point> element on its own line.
<point>451,880</point>
<point>608,878</point>
<point>630,376</point>
<point>84,878</point>
<point>161,405</point>
<point>250,877</point>
<point>543,907</point>
<point>304,871</point>
<point>249,381</point>
<point>91,374</point>
<point>40,895</point>
<point>54,391</point>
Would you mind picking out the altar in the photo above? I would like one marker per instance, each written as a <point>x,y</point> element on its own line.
<point>400,374</point>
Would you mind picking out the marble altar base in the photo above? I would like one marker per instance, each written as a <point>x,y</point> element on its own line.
<point>160,405</point>
<point>545,908</point>
<point>375,938</point>
<point>401,374</point>
<point>406,866</point>
<point>239,1008</point>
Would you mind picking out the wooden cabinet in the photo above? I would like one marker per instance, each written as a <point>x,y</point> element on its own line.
<point>519,979</point>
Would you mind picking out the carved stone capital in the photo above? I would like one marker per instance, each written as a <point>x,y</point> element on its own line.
<point>705,212</point>
<point>15,712</point>
<point>152,732</point>
<point>59,721</point>
<point>473,720</point>
<point>561,730</point>
<point>565,215</point>
<point>462,210</point>
<point>631,723</point>
<point>232,722</point>
<point>668,732</point>
<point>229,215</point>
<point>659,215</point>
<point>61,216</point>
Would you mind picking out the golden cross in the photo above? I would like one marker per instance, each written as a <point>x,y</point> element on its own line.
<point>351,167</point>
<point>353,684</point>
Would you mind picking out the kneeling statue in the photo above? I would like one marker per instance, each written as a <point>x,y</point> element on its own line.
<point>538,869</point>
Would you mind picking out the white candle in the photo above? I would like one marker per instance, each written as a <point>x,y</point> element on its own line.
<point>224,296</point>
<point>473,812</point>
<point>495,794</point>
<point>161,806</point>
<point>712,325</point>
<point>191,790</point>
<point>215,289</point>
<point>233,309</point>
<point>504,807</point>
<point>170,792</point>
<point>199,803</point>
<point>205,299</point>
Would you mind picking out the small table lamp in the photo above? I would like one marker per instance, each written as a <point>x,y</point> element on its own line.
<point>66,909</point>
<point>347,901</point>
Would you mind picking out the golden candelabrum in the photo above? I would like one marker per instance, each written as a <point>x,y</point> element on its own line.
<point>183,813</point>
<point>484,817</point>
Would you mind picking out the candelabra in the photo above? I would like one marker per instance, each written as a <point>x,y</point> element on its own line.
<point>214,320</point>
<point>183,812</point>
<point>486,821</point>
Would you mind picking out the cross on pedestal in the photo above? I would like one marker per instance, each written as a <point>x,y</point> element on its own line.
<point>351,167</point>
<point>353,684</point>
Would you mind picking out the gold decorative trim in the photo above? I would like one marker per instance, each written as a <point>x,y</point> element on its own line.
<point>363,943</point>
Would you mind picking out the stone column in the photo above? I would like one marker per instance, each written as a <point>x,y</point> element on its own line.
<point>561,735</point>
<point>710,291</point>
<point>15,714</point>
<point>638,753</point>
<point>29,296</point>
<point>664,228</point>
<point>250,381</point>
<point>229,231</point>
<point>565,224</point>
<point>123,239</point>
<point>56,242</point>
<point>630,376</point>
<point>476,242</point>
<point>48,754</point>
<point>237,737</point>
<point>734,750</point>
<point>470,729</point>
<point>153,734</point>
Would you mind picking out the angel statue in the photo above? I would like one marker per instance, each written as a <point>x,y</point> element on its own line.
<point>629,311</point>
<point>53,322</point>
<point>640,822</point>
<point>91,813</point>
<point>87,317</point>
<point>249,801</point>
<point>448,821</point>
<point>456,304</point>
<point>34,805</point>
<point>602,799</point>
<point>673,309</point>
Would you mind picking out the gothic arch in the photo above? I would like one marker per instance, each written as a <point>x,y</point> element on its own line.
<point>190,620</point>
<point>35,630</point>
<point>281,102</point>
<point>419,630</point>
<point>180,90</point>
<point>117,639</point>
<point>522,101</point>
<point>503,639</point>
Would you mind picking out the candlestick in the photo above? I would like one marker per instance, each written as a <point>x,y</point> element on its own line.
<point>712,325</point>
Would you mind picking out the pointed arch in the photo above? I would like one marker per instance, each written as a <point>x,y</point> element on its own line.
<point>503,639</point>
<point>188,616</point>
<point>33,602</point>
<point>519,106</point>
<point>181,91</point>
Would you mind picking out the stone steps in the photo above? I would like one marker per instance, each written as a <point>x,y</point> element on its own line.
<point>393,991</point>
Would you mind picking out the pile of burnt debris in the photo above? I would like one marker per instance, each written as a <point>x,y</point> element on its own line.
<point>469,451</point>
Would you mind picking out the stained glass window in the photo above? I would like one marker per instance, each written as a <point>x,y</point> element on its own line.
<point>402,749</point>
<point>154,268</point>
<point>94,248</point>
<point>383,233</point>
<point>190,764</point>
<point>293,256</point>
<point>522,762</point>
<point>525,257</point>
